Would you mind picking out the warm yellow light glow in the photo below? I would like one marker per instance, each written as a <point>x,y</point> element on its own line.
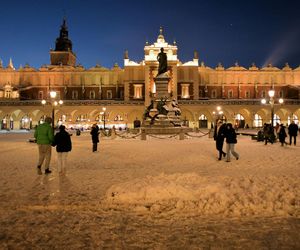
<point>271,92</point>
<point>218,108</point>
<point>52,94</point>
<point>263,101</point>
<point>60,102</point>
<point>55,103</point>
<point>104,109</point>
<point>280,100</point>
<point>43,102</point>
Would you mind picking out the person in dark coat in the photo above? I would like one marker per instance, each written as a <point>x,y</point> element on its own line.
<point>62,141</point>
<point>95,136</point>
<point>293,132</point>
<point>219,135</point>
<point>282,135</point>
<point>231,140</point>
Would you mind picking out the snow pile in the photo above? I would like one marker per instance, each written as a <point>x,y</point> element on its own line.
<point>203,195</point>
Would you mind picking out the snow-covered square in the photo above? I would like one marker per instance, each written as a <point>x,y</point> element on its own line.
<point>162,193</point>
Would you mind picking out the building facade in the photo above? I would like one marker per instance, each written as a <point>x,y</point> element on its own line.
<point>203,93</point>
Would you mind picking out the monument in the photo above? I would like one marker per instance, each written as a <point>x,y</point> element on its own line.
<point>162,116</point>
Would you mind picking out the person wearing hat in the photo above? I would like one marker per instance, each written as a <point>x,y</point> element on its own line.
<point>62,141</point>
<point>44,138</point>
<point>219,136</point>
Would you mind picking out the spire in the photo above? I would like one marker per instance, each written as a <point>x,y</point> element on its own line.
<point>196,55</point>
<point>10,64</point>
<point>63,43</point>
<point>160,37</point>
<point>126,54</point>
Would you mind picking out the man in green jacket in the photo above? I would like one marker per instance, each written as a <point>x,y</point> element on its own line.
<point>44,137</point>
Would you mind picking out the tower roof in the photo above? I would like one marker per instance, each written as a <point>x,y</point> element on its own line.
<point>63,43</point>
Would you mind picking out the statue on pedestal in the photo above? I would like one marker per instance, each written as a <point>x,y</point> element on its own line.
<point>163,62</point>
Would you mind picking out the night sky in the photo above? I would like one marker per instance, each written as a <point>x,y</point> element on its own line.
<point>221,31</point>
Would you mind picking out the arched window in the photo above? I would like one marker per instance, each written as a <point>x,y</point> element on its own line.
<point>26,122</point>
<point>294,118</point>
<point>118,118</point>
<point>247,94</point>
<point>276,119</point>
<point>202,121</point>
<point>281,95</point>
<point>239,121</point>
<point>41,95</point>
<point>74,94</point>
<point>7,93</point>
<point>92,94</point>
<point>201,93</point>
<point>213,93</point>
<point>257,122</point>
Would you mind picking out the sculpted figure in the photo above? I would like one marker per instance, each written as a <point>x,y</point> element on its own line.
<point>163,62</point>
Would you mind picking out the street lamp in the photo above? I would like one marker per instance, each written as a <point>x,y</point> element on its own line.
<point>104,114</point>
<point>218,113</point>
<point>53,103</point>
<point>271,94</point>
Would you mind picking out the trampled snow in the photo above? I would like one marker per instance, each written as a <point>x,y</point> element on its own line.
<point>162,193</point>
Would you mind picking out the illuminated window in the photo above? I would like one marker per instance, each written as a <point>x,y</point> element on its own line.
<point>281,95</point>
<point>214,94</point>
<point>118,118</point>
<point>92,94</point>
<point>247,94</point>
<point>276,119</point>
<point>41,95</point>
<point>202,117</point>
<point>257,122</point>
<point>109,94</point>
<point>185,93</point>
<point>121,94</point>
<point>138,91</point>
<point>201,93</point>
<point>74,94</point>
<point>294,118</point>
<point>7,93</point>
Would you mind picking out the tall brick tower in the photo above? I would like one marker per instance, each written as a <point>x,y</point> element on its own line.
<point>63,54</point>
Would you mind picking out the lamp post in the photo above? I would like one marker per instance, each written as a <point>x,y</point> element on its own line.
<point>218,114</point>
<point>53,103</point>
<point>104,118</point>
<point>271,94</point>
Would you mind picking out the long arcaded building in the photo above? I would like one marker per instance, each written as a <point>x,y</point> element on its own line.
<point>203,93</point>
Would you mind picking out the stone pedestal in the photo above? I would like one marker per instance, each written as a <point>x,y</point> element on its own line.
<point>161,83</point>
<point>161,123</point>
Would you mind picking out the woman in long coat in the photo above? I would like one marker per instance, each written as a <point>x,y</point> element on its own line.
<point>95,136</point>
<point>219,135</point>
<point>231,140</point>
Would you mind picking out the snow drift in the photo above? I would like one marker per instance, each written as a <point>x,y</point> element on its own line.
<point>220,195</point>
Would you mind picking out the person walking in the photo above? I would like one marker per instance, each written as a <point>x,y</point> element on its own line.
<point>62,141</point>
<point>293,132</point>
<point>231,140</point>
<point>44,138</point>
<point>95,136</point>
<point>282,135</point>
<point>219,135</point>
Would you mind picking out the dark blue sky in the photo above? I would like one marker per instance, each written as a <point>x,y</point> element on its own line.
<point>221,31</point>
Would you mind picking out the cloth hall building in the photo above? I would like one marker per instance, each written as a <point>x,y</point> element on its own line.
<point>203,93</point>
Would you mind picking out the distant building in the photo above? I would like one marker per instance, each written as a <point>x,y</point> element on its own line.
<point>125,92</point>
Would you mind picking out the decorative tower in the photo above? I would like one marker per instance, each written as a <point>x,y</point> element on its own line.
<point>63,54</point>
